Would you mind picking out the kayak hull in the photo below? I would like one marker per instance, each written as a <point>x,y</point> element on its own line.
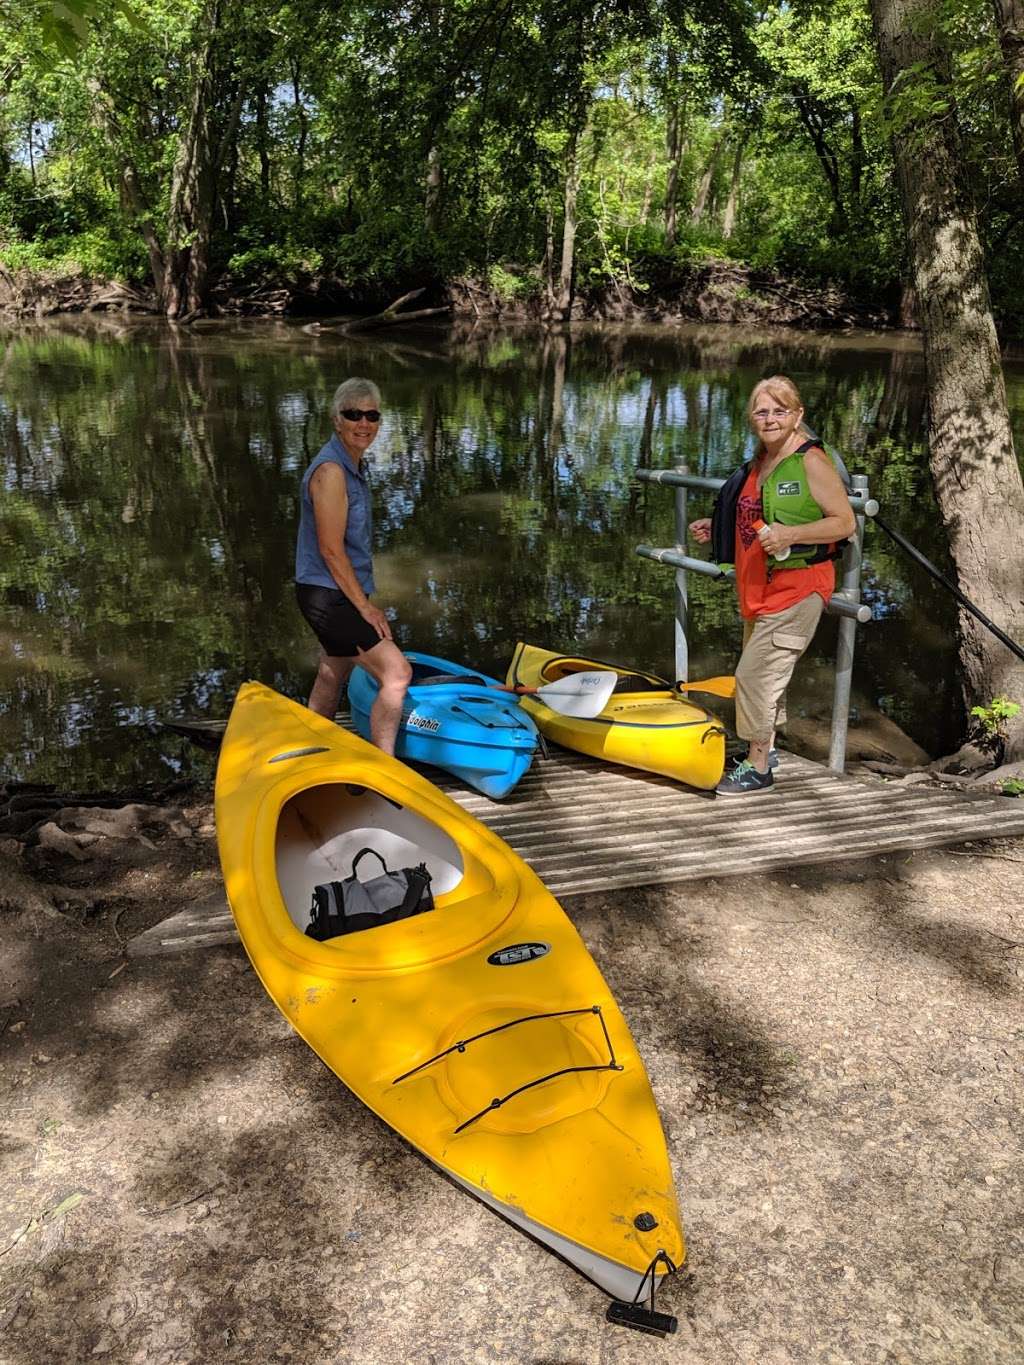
<point>646,724</point>
<point>479,735</point>
<point>482,1030</point>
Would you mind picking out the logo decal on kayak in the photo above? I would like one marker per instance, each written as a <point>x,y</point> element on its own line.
<point>419,722</point>
<point>518,952</point>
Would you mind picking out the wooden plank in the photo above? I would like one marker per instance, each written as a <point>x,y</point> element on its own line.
<point>586,827</point>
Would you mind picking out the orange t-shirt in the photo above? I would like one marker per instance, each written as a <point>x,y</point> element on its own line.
<point>764,590</point>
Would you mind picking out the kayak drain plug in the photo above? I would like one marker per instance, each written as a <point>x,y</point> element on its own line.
<point>645,1222</point>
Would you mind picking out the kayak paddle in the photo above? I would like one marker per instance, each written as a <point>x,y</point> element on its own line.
<point>719,687</point>
<point>584,695</point>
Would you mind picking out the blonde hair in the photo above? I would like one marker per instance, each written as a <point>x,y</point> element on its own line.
<point>784,391</point>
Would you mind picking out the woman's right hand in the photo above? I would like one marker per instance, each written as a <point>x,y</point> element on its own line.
<point>701,530</point>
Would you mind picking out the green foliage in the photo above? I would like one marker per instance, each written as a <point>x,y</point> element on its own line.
<point>1012,786</point>
<point>766,128</point>
<point>512,286</point>
<point>274,262</point>
<point>992,720</point>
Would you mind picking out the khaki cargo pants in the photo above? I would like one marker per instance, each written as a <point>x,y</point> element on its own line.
<point>772,645</point>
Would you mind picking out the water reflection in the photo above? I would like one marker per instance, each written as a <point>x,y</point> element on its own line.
<point>149,511</point>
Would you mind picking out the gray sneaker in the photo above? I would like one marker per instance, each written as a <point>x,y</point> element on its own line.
<point>745,780</point>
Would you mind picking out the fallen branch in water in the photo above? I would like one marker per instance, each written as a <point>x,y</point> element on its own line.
<point>388,317</point>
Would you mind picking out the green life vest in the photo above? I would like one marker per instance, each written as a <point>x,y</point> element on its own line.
<point>786,498</point>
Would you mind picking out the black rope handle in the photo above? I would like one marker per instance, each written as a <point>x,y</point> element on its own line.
<point>355,860</point>
<point>670,1268</point>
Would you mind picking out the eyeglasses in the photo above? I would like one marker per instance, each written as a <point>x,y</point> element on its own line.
<point>762,414</point>
<point>355,414</point>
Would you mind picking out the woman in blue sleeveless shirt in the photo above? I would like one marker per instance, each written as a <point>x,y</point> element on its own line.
<point>334,567</point>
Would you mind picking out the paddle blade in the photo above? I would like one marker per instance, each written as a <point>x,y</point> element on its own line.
<point>584,695</point>
<point>724,686</point>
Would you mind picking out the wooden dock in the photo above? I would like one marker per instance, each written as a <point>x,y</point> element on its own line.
<point>585,826</point>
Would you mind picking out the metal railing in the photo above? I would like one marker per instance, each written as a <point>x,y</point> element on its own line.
<point>845,602</point>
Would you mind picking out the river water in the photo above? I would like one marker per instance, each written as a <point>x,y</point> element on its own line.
<point>149,509</point>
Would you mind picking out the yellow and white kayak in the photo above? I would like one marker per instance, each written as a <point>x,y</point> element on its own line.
<point>646,724</point>
<point>482,1030</point>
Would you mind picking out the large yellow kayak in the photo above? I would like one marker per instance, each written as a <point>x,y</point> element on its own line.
<point>481,1030</point>
<point>646,724</point>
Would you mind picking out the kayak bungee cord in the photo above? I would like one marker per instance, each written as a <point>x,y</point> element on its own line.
<point>463,1043</point>
<point>488,724</point>
<point>610,1065</point>
<point>940,577</point>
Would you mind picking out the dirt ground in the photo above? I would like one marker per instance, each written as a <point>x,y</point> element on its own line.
<point>836,1052</point>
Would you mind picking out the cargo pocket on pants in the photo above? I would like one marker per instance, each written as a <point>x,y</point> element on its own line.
<point>783,639</point>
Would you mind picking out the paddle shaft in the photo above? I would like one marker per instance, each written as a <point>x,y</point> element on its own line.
<point>719,687</point>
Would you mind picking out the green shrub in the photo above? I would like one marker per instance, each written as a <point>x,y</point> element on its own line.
<point>990,730</point>
<point>511,287</point>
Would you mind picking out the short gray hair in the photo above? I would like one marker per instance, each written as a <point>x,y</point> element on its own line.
<point>352,392</point>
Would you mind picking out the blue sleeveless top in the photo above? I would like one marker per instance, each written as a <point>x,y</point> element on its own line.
<point>309,562</point>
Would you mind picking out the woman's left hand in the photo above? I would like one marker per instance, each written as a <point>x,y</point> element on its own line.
<point>776,537</point>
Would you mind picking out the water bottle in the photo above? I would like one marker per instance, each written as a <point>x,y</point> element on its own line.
<point>760,527</point>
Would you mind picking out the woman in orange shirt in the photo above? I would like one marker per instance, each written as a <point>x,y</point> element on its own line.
<point>792,511</point>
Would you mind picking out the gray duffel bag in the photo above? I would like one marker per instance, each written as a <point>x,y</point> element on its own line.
<point>348,906</point>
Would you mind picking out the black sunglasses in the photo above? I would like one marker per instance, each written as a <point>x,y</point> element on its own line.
<point>354,414</point>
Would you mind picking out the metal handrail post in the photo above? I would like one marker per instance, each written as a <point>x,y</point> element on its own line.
<point>682,602</point>
<point>850,591</point>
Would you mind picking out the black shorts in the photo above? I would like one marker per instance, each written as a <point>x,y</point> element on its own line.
<point>342,632</point>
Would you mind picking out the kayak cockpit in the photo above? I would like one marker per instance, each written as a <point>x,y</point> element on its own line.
<point>426,674</point>
<point>322,828</point>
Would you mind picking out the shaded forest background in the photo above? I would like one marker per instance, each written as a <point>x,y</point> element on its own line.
<point>257,155</point>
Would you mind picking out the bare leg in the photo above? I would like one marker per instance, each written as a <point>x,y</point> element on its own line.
<point>331,676</point>
<point>759,753</point>
<point>392,670</point>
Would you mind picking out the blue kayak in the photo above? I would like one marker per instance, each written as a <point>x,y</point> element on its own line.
<point>453,720</point>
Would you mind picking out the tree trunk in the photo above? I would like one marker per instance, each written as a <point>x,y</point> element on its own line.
<point>432,202</point>
<point>189,184</point>
<point>645,207</point>
<point>133,198</point>
<point>1010,26</point>
<point>732,203</point>
<point>908,308</point>
<point>977,481</point>
<point>811,118</point>
<point>193,197</point>
<point>564,294</point>
<point>700,199</point>
<point>676,147</point>
<point>858,158</point>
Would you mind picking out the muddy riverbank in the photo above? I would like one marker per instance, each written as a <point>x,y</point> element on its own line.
<point>712,290</point>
